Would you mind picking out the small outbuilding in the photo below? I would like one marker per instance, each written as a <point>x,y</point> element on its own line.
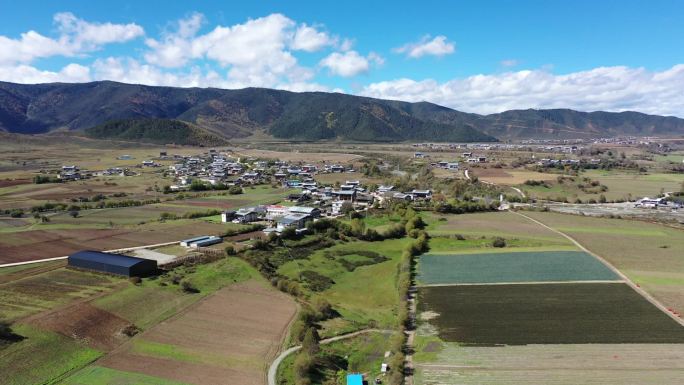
<point>112,263</point>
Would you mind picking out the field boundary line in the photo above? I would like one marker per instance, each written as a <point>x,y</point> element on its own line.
<point>273,369</point>
<point>521,283</point>
<point>628,281</point>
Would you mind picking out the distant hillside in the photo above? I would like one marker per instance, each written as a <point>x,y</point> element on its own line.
<point>230,114</point>
<point>160,131</point>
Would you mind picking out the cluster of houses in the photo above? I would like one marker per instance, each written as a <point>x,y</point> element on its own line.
<point>546,162</point>
<point>323,201</point>
<point>214,168</point>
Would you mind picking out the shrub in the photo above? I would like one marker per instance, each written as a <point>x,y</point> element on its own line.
<point>499,242</point>
<point>18,213</point>
<point>230,250</point>
<point>235,190</point>
<point>188,287</point>
<point>135,280</point>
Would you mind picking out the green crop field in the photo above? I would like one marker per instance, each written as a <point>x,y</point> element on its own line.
<point>41,355</point>
<point>98,375</point>
<point>511,267</point>
<point>546,314</point>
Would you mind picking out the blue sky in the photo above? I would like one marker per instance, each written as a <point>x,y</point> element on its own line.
<point>479,56</point>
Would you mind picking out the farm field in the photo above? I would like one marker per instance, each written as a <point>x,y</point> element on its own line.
<point>30,295</point>
<point>649,254</point>
<point>511,267</point>
<point>621,185</point>
<point>510,177</point>
<point>491,224</point>
<point>98,375</point>
<point>48,243</point>
<point>69,318</point>
<point>546,314</point>
<point>559,364</point>
<point>208,343</point>
<point>42,356</point>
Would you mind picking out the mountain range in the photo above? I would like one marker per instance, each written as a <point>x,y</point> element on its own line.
<point>100,109</point>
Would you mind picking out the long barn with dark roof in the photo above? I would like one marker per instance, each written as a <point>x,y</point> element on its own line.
<point>112,263</point>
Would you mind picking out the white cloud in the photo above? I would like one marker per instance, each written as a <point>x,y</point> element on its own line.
<point>350,63</point>
<point>89,36</point>
<point>175,48</point>
<point>76,37</point>
<point>23,73</point>
<point>257,52</point>
<point>604,88</point>
<point>439,46</point>
<point>309,39</point>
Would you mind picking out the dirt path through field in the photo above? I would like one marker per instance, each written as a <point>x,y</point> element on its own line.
<point>273,369</point>
<point>628,281</point>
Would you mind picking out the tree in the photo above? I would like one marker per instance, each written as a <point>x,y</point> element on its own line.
<point>310,341</point>
<point>73,213</point>
<point>499,242</point>
<point>346,207</point>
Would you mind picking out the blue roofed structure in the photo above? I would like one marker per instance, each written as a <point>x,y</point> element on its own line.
<point>112,263</point>
<point>354,379</point>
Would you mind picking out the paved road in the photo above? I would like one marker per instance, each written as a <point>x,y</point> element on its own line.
<point>610,266</point>
<point>273,369</point>
<point>106,251</point>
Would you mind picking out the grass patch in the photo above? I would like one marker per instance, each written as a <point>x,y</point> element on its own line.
<point>98,375</point>
<point>42,357</point>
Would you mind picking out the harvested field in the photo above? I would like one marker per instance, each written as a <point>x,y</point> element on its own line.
<point>568,364</point>
<point>13,182</point>
<point>512,267</point>
<point>503,224</point>
<point>547,314</point>
<point>87,324</point>
<point>61,242</point>
<point>510,177</point>
<point>228,338</point>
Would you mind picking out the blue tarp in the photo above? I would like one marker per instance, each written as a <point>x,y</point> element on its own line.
<point>354,379</point>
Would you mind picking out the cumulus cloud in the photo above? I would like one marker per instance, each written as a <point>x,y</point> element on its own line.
<point>605,88</point>
<point>76,37</point>
<point>258,52</point>
<point>174,49</point>
<point>23,73</point>
<point>309,39</point>
<point>350,63</point>
<point>438,46</point>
